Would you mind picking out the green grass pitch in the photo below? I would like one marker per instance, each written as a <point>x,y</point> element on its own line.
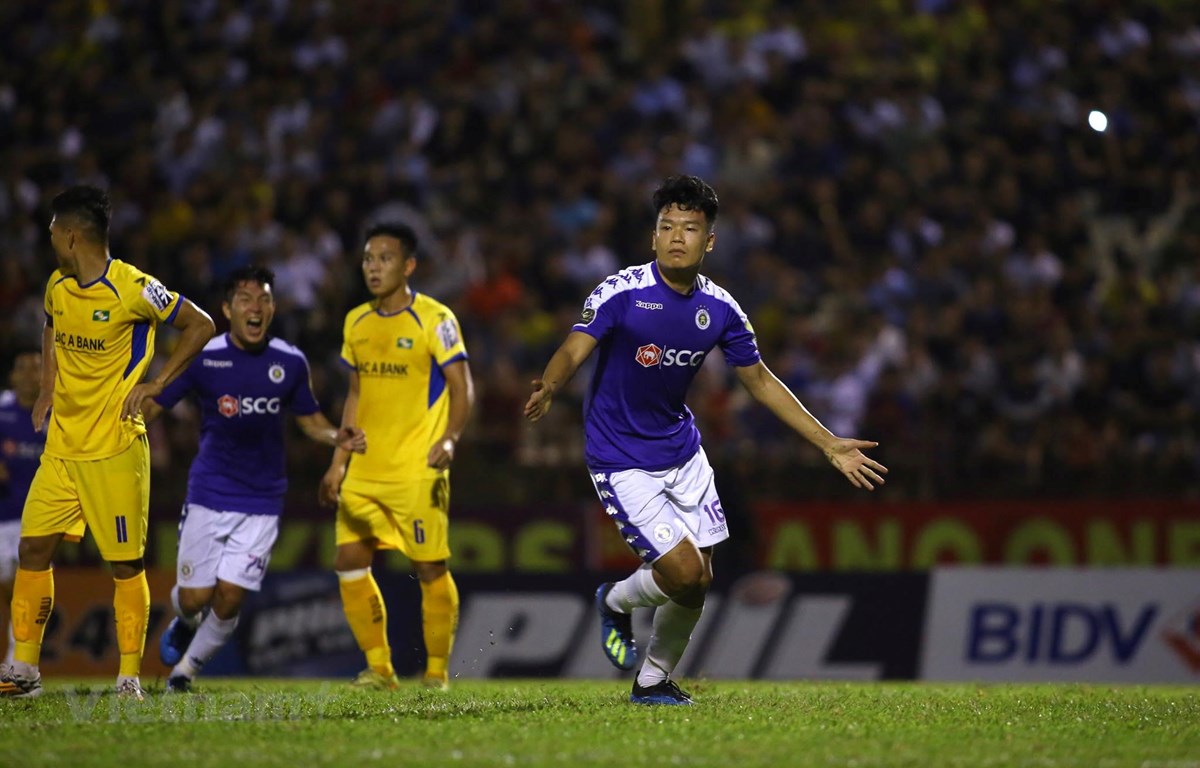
<point>244,723</point>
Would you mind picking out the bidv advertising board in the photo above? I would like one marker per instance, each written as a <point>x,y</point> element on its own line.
<point>1052,624</point>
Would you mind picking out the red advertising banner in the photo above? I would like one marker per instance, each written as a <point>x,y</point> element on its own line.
<point>917,536</point>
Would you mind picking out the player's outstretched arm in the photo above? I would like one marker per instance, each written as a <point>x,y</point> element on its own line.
<point>45,398</point>
<point>196,328</point>
<point>318,428</point>
<point>843,453</point>
<point>462,398</point>
<point>562,366</point>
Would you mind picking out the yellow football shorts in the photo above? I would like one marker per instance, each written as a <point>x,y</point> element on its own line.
<point>111,496</point>
<point>408,515</point>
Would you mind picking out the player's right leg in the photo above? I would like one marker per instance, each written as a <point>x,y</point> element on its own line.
<point>634,501</point>
<point>52,512</point>
<point>202,534</point>
<point>246,542</point>
<point>360,521</point>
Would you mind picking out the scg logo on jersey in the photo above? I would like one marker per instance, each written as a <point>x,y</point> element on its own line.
<point>650,355</point>
<point>231,406</point>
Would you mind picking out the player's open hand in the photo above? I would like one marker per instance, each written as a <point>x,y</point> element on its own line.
<point>133,403</point>
<point>442,453</point>
<point>539,401</point>
<point>862,471</point>
<point>41,411</point>
<point>331,486</point>
<point>352,439</point>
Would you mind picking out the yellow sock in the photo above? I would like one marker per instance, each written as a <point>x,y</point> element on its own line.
<point>131,603</point>
<point>439,618</point>
<point>33,599</point>
<point>367,615</point>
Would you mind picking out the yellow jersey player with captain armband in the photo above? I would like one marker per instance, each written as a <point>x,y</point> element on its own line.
<point>101,316</point>
<point>411,391</point>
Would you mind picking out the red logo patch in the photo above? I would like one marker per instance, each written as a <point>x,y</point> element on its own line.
<point>648,355</point>
<point>228,405</point>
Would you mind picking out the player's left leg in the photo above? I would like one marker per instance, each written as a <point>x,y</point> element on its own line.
<point>426,532</point>
<point>114,494</point>
<point>439,620</point>
<point>214,631</point>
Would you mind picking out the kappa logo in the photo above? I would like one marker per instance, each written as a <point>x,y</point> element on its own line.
<point>648,355</point>
<point>647,304</point>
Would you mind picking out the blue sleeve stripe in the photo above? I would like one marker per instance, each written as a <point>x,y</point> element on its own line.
<point>455,359</point>
<point>174,312</point>
<point>437,382</point>
<point>137,349</point>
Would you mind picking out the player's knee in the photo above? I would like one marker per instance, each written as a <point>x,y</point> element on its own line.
<point>429,571</point>
<point>684,578</point>
<point>227,600</point>
<point>35,554</point>
<point>192,601</point>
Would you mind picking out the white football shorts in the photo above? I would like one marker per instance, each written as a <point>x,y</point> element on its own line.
<point>10,540</point>
<point>655,511</point>
<point>231,546</point>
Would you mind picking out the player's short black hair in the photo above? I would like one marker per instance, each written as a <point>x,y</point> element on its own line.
<point>402,232</point>
<point>252,273</point>
<point>690,193</point>
<point>88,207</point>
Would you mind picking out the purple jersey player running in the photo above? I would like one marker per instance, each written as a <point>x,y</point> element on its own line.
<point>245,382</point>
<point>654,325</point>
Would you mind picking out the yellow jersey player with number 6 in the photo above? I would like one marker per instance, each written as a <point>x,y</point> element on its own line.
<point>411,390</point>
<point>101,316</point>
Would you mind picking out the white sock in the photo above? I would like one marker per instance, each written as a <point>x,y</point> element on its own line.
<point>673,625</point>
<point>192,620</point>
<point>638,591</point>
<point>213,633</point>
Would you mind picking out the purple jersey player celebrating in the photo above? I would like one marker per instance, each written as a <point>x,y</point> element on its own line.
<point>21,449</point>
<point>654,324</point>
<point>245,382</point>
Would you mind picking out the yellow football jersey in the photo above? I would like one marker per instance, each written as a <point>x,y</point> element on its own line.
<point>403,403</point>
<point>103,341</point>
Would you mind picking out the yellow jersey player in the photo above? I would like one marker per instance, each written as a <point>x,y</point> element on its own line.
<point>101,314</point>
<point>411,390</point>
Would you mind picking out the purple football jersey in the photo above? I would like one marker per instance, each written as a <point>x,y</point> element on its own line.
<point>20,451</point>
<point>243,396</point>
<point>652,341</point>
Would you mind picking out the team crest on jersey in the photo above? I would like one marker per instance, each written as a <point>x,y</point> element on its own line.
<point>100,316</point>
<point>702,319</point>
<point>275,373</point>
<point>587,316</point>
<point>663,533</point>
<point>404,343</point>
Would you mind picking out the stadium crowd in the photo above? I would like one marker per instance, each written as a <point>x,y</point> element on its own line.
<point>937,247</point>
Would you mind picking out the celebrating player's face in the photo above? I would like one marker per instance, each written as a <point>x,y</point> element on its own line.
<point>250,312</point>
<point>385,266</point>
<point>681,237</point>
